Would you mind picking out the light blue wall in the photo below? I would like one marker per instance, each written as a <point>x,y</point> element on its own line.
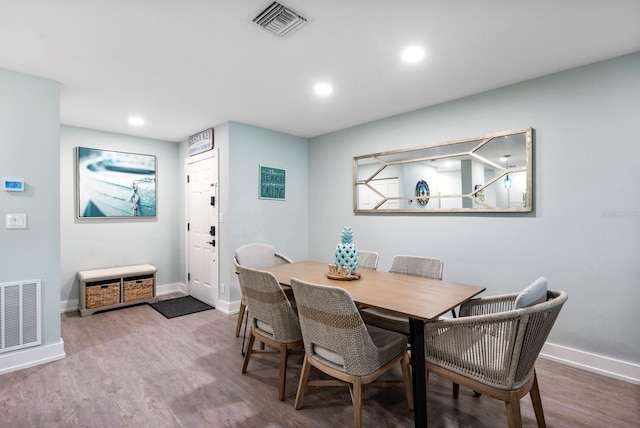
<point>29,150</point>
<point>283,224</point>
<point>584,235</point>
<point>102,243</point>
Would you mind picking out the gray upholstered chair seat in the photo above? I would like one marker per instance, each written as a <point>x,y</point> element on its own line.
<point>390,344</point>
<point>383,319</point>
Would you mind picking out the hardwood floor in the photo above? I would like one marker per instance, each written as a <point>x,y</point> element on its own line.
<point>131,367</point>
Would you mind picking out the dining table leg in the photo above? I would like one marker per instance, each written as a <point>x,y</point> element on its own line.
<point>416,337</point>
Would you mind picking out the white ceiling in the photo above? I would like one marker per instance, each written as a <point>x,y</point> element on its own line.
<point>189,65</point>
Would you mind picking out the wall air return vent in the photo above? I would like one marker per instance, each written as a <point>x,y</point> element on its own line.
<point>279,19</point>
<point>20,319</point>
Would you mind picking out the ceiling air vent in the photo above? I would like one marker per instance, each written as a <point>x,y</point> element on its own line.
<point>279,19</point>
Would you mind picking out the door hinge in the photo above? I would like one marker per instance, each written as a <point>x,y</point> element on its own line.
<point>213,201</point>
<point>187,178</point>
<point>188,225</point>
<point>188,277</point>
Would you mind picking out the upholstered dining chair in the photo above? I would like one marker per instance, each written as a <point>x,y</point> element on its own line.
<point>339,344</point>
<point>492,346</point>
<point>367,260</point>
<point>273,320</point>
<point>254,255</point>
<point>424,267</point>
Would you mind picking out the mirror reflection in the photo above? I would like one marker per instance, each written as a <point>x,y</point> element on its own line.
<point>490,173</point>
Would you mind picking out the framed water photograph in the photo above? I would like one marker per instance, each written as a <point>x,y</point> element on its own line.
<point>115,184</point>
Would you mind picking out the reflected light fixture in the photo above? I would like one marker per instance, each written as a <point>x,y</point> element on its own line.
<point>136,121</point>
<point>507,179</point>
<point>412,54</point>
<point>323,89</point>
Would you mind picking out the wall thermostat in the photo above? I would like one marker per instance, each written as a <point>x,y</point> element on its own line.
<point>13,185</point>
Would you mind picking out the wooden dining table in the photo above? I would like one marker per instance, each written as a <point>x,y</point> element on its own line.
<point>420,299</point>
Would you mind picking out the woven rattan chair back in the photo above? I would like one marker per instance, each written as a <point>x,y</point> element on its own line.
<point>424,267</point>
<point>330,322</point>
<point>254,255</point>
<point>338,343</point>
<point>269,309</point>
<point>273,320</point>
<point>367,260</point>
<point>492,348</point>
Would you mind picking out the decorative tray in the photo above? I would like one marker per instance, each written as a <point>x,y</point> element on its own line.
<point>339,277</point>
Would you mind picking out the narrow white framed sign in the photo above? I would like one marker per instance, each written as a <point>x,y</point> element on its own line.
<point>201,142</point>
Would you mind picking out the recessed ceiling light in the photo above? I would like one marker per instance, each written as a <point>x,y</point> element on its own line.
<point>412,54</point>
<point>323,89</point>
<point>136,121</point>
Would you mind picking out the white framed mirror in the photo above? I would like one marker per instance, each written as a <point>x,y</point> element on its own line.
<point>490,173</point>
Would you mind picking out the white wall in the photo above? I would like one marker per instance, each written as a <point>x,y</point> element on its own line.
<point>29,133</point>
<point>101,243</point>
<point>584,234</point>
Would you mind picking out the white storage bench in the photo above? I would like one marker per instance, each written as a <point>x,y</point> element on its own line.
<point>110,288</point>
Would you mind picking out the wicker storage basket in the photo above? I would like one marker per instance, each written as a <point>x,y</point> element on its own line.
<point>102,293</point>
<point>137,288</point>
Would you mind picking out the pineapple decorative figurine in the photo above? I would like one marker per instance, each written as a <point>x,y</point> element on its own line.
<point>347,252</point>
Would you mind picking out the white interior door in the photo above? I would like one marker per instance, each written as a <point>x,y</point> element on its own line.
<point>368,199</point>
<point>202,223</point>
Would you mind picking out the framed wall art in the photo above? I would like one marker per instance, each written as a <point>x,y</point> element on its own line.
<point>115,184</point>
<point>272,183</point>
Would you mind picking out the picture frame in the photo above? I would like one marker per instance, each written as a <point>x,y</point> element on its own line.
<point>272,183</point>
<point>113,184</point>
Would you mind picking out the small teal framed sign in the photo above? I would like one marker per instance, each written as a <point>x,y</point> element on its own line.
<point>272,183</point>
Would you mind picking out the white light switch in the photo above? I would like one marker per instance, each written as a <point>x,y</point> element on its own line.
<point>16,221</point>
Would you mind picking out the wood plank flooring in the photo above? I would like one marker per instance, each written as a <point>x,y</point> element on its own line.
<point>131,367</point>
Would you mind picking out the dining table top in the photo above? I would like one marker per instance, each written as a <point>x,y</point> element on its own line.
<point>415,297</point>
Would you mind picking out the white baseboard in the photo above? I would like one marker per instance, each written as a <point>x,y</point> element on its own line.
<point>30,357</point>
<point>606,366</point>
<point>225,307</point>
<point>234,307</point>
<point>172,288</point>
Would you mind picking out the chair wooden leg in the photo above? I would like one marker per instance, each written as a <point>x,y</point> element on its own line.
<point>249,350</point>
<point>283,371</point>
<point>514,418</point>
<point>456,390</point>
<point>537,402</point>
<point>356,396</point>
<point>240,317</point>
<point>304,378</point>
<point>406,377</point>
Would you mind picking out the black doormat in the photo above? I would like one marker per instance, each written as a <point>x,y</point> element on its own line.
<point>180,306</point>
